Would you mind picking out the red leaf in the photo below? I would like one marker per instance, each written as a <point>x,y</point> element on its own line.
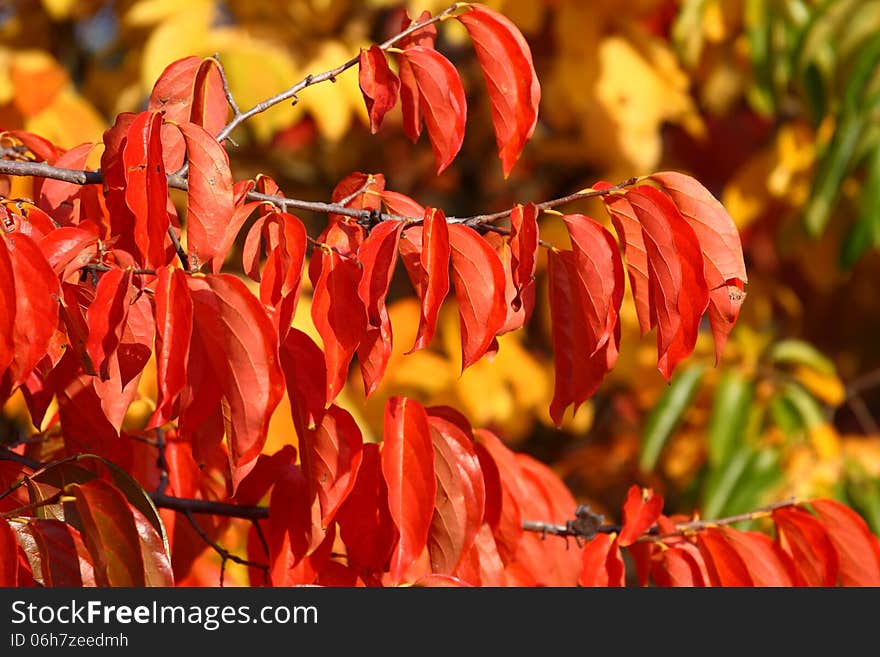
<point>409,90</point>
<point>378,84</point>
<point>64,559</point>
<point>478,278</point>
<point>432,282</point>
<point>523,248</point>
<point>115,175</point>
<point>401,204</point>
<point>632,243</point>
<point>106,316</point>
<point>63,200</point>
<point>514,91</point>
<point>550,563</point>
<point>766,565</point>
<point>508,532</point>
<point>338,314</point>
<point>242,347</point>
<point>306,376</point>
<point>679,293</point>
<point>577,376</point>
<point>360,191</point>
<point>492,485</point>
<point>37,294</point>
<point>378,256</point>
<point>209,105</point>
<point>641,510</point>
<point>7,310</point>
<point>280,282</point>
<point>600,274</point>
<point>602,562</point>
<point>723,265</point>
<point>677,567</point>
<point>804,538</point>
<point>8,555</point>
<point>482,565</point>
<point>331,456</point>
<point>365,521</point>
<point>408,469</point>
<point>146,188</point>
<point>189,89</point>
<point>857,548</point>
<point>239,217</point>
<point>210,203</point>
<point>443,581</point>
<point>461,496</point>
<point>174,317</point>
<point>441,101</point>
<point>289,532</point>
<point>110,533</point>
<point>725,565</point>
<point>68,249</point>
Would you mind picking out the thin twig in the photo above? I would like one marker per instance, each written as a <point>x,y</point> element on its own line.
<point>225,555</point>
<point>578,528</point>
<point>12,513</point>
<point>331,75</point>
<point>161,461</point>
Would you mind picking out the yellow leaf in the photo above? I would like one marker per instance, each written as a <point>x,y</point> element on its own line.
<point>826,387</point>
<point>257,70</point>
<point>70,120</point>
<point>185,32</point>
<point>332,105</point>
<point>60,9</point>
<point>37,79</point>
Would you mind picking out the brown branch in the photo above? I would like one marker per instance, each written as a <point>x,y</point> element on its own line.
<point>331,75</point>
<point>160,499</point>
<point>225,555</point>
<point>208,507</point>
<point>587,524</point>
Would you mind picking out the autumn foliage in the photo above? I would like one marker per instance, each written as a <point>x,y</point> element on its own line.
<point>100,275</point>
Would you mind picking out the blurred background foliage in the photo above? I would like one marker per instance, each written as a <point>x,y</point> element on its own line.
<point>773,104</point>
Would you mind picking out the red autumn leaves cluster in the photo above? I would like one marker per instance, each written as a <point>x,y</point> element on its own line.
<point>822,543</point>
<point>436,503</point>
<point>431,91</point>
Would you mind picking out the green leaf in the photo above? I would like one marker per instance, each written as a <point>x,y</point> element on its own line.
<point>808,409</point>
<point>865,234</point>
<point>667,414</point>
<point>723,480</point>
<point>833,168</point>
<point>798,352</point>
<point>730,414</point>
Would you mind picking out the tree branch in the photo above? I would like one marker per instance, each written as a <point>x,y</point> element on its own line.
<point>309,80</point>
<point>587,524</point>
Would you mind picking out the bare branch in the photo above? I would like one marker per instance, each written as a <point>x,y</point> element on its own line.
<point>225,555</point>
<point>587,524</point>
<point>332,74</point>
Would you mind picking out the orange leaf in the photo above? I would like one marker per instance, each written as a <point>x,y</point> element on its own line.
<point>209,200</point>
<point>338,314</point>
<point>441,100</point>
<point>602,562</point>
<point>514,91</point>
<point>679,293</point>
<point>857,548</point>
<point>805,539</point>
<point>641,510</point>
<point>408,470</point>
<point>725,565</point>
<point>479,281</point>
<point>378,257</point>
<point>720,243</point>
<point>378,84</point>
